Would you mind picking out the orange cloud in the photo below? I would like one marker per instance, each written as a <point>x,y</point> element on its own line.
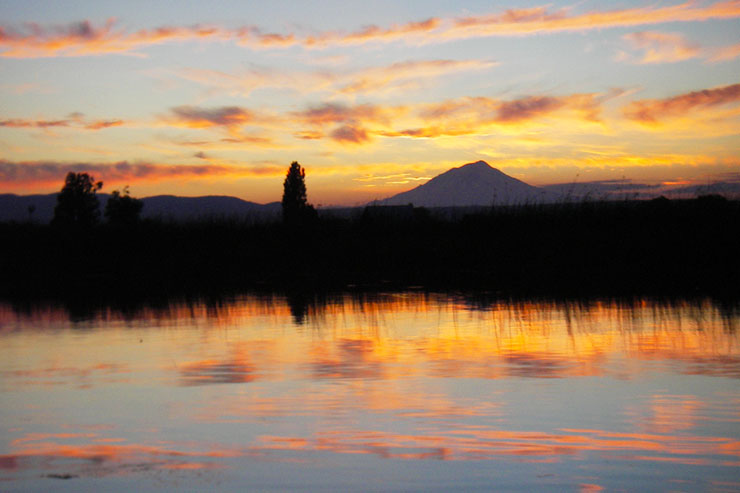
<point>376,33</point>
<point>653,110</point>
<point>663,47</point>
<point>99,124</point>
<point>464,116</point>
<point>388,78</point>
<point>225,116</point>
<point>50,172</point>
<point>353,120</point>
<point>428,132</point>
<point>350,134</point>
<point>725,53</point>
<point>469,116</point>
<point>308,135</point>
<point>539,20</point>
<point>401,75</point>
<point>84,39</point>
<point>74,120</point>
<point>338,113</point>
<point>20,123</point>
<point>527,108</point>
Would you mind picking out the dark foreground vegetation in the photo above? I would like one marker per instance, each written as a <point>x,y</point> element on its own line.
<point>629,248</point>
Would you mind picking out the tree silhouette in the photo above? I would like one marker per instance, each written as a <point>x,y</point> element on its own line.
<point>77,204</point>
<point>122,209</point>
<point>296,208</point>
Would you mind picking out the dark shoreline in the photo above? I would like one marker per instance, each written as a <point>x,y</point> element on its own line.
<point>589,249</point>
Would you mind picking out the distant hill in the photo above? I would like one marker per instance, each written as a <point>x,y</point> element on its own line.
<point>729,189</point>
<point>474,184</point>
<point>219,206</point>
<point>16,208</point>
<point>627,189</point>
<point>604,190</point>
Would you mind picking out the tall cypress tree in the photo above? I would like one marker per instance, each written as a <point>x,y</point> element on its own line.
<point>295,203</point>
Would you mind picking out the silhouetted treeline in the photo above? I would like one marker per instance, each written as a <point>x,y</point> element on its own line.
<point>657,247</point>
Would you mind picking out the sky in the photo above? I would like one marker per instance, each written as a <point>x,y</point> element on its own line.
<point>371,98</point>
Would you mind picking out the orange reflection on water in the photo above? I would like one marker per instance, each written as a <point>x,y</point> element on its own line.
<point>92,450</point>
<point>480,444</point>
<point>393,336</point>
<point>397,376</point>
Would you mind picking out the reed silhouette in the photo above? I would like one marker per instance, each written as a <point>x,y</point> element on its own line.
<point>620,248</point>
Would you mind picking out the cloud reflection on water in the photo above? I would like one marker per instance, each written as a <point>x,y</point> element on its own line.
<point>481,444</point>
<point>90,452</point>
<point>405,376</point>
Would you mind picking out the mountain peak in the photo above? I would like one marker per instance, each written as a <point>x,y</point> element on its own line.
<point>477,164</point>
<point>473,184</point>
<point>475,171</point>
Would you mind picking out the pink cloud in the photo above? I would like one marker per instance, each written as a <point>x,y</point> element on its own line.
<point>725,53</point>
<point>74,120</point>
<point>527,108</point>
<point>83,38</point>
<point>660,47</point>
<point>653,110</point>
<point>351,134</point>
<point>329,113</point>
<point>225,116</point>
<point>51,172</point>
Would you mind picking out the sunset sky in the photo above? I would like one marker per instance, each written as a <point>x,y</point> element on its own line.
<point>372,98</point>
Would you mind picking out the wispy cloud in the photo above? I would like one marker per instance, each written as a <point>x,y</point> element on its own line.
<point>376,33</point>
<point>245,82</point>
<point>225,116</point>
<point>541,20</point>
<point>329,113</point>
<point>725,53</point>
<point>74,120</point>
<point>359,124</point>
<point>84,38</point>
<point>409,74</point>
<point>528,21</point>
<point>651,111</point>
<point>660,47</point>
<point>528,108</point>
<point>350,121</point>
<point>469,116</point>
<point>229,119</point>
<point>393,179</point>
<point>52,172</point>
<point>100,124</point>
<point>400,76</point>
<point>27,87</point>
<point>351,134</point>
<point>23,123</point>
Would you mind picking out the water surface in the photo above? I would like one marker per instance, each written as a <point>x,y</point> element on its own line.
<point>399,391</point>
